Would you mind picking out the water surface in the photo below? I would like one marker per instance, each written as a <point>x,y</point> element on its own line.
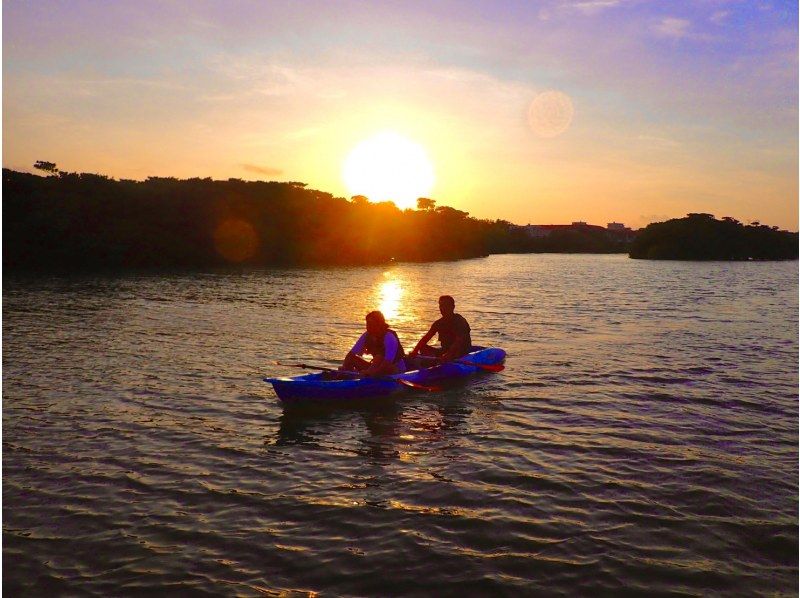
<point>643,437</point>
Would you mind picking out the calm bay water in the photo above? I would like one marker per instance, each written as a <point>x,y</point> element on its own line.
<point>643,437</point>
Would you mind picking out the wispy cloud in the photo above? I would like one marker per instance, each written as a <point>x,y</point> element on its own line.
<point>590,7</point>
<point>262,75</point>
<point>585,7</point>
<point>673,27</point>
<point>266,170</point>
<point>720,16</point>
<point>676,28</point>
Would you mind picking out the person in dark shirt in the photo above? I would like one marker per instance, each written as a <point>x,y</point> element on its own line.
<point>453,331</point>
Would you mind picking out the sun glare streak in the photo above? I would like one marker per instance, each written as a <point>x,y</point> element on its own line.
<point>389,167</point>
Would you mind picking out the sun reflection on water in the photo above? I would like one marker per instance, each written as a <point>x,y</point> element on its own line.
<point>390,293</point>
<point>399,298</point>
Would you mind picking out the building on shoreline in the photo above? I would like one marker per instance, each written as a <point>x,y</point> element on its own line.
<point>613,230</point>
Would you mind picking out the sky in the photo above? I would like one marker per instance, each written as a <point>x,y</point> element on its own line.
<point>547,112</point>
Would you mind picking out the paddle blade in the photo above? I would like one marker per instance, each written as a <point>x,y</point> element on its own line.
<point>305,366</point>
<point>492,367</point>
<point>290,365</point>
<point>487,367</point>
<point>416,386</point>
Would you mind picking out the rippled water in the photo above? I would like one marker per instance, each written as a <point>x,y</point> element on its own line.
<point>643,437</point>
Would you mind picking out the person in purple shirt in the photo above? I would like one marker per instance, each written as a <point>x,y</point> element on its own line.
<point>454,334</point>
<point>382,343</point>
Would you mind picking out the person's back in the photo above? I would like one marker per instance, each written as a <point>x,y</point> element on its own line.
<point>453,330</point>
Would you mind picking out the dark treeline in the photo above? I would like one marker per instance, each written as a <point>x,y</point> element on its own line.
<point>703,237</point>
<point>71,221</point>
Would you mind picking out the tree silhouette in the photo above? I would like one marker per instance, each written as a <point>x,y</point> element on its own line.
<point>451,212</point>
<point>425,203</point>
<point>46,166</point>
<point>702,237</point>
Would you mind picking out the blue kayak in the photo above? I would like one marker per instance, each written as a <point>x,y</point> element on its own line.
<point>320,388</point>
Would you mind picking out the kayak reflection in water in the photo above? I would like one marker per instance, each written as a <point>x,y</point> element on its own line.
<point>454,335</point>
<point>382,343</point>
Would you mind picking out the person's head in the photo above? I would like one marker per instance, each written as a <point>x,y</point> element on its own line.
<point>447,305</point>
<point>376,323</point>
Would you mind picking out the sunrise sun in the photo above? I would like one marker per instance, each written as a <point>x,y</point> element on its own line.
<point>391,167</point>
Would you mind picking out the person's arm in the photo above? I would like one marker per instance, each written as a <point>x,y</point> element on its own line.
<point>423,341</point>
<point>381,364</point>
<point>351,356</point>
<point>376,368</point>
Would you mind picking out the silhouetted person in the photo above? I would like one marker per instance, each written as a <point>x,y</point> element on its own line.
<point>382,343</point>
<point>453,331</point>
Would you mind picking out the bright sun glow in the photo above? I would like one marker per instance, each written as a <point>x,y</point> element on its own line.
<point>390,292</point>
<point>389,167</point>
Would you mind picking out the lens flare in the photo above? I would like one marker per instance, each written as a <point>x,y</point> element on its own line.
<point>550,113</point>
<point>236,240</point>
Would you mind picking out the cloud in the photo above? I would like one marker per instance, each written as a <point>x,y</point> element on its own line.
<point>589,7</point>
<point>720,16</point>
<point>673,27</point>
<point>267,170</point>
<point>676,28</point>
<point>260,74</point>
<point>586,7</point>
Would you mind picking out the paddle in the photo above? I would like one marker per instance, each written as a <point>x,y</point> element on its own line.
<point>489,367</point>
<point>305,366</point>
<point>408,383</point>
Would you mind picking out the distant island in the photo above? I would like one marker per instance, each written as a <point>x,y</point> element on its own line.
<point>79,221</point>
<point>703,237</point>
